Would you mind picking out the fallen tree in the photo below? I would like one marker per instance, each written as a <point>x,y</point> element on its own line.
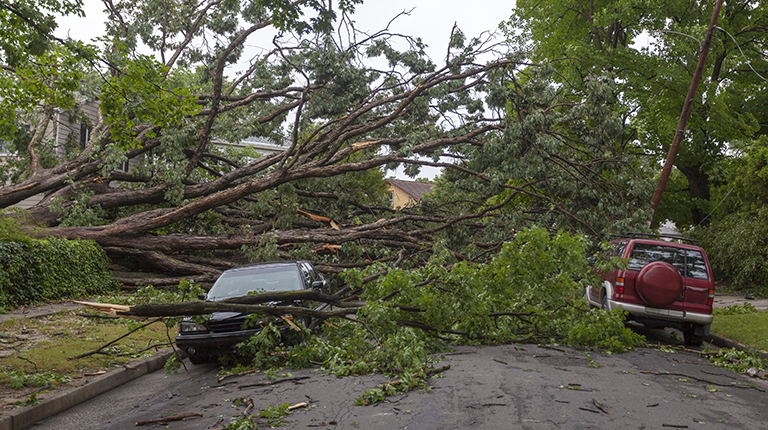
<point>193,200</point>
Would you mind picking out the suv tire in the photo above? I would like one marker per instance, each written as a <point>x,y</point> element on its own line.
<point>659,284</point>
<point>690,337</point>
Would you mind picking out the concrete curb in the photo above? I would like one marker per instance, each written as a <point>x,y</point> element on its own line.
<point>58,402</point>
<point>724,342</point>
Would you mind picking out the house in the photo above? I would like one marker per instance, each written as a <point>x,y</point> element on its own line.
<point>69,132</point>
<point>407,193</point>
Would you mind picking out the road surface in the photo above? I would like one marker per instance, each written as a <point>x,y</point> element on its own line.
<point>500,387</point>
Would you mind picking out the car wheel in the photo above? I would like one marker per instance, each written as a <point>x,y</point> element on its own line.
<point>691,338</point>
<point>603,299</point>
<point>199,356</point>
<point>659,284</point>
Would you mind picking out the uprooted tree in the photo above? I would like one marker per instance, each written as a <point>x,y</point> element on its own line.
<point>518,149</point>
<point>394,323</point>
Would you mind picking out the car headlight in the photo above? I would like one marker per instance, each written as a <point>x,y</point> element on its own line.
<point>191,326</point>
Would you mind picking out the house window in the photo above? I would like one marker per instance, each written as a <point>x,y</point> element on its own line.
<point>84,135</point>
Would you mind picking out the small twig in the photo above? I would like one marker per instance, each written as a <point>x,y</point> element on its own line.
<point>248,407</point>
<point>366,327</point>
<point>248,372</point>
<point>166,420</point>
<point>599,406</point>
<point>173,345</point>
<point>21,357</point>
<point>275,382</point>
<point>707,381</point>
<point>155,346</point>
<point>590,410</point>
<point>297,406</point>
<point>98,351</point>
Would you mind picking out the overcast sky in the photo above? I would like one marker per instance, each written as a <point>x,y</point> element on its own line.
<point>431,20</point>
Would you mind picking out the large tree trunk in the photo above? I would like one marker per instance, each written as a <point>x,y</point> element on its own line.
<point>698,189</point>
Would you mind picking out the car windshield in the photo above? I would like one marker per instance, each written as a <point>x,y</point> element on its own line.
<point>239,282</point>
<point>690,263</point>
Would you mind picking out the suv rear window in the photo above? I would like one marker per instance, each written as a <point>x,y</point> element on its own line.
<point>690,263</point>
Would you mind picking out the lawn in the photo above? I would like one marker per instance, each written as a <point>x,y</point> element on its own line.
<point>749,329</point>
<point>42,353</point>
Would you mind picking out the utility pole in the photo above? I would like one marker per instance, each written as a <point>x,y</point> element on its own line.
<point>675,147</point>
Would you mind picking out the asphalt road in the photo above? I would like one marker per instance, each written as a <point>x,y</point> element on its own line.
<point>501,387</point>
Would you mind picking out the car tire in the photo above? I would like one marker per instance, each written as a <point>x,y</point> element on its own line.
<point>200,357</point>
<point>691,338</point>
<point>659,284</point>
<point>603,299</point>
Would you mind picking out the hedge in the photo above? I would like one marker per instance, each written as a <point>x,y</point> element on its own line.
<point>35,271</point>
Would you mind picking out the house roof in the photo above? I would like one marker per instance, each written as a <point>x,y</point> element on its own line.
<point>412,188</point>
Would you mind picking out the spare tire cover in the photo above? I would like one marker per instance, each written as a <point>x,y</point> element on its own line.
<point>659,284</point>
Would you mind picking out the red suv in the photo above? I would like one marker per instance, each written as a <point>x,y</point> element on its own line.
<point>668,283</point>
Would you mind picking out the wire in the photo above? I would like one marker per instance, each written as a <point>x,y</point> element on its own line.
<point>742,53</point>
<point>718,205</point>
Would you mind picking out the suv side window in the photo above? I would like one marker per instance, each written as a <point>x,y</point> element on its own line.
<point>689,263</point>
<point>696,267</point>
<point>620,247</point>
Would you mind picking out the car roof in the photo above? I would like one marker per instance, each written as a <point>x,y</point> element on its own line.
<point>266,264</point>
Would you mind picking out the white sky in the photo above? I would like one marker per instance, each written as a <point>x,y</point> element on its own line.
<point>431,20</point>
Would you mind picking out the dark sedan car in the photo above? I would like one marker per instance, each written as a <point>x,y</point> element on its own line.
<point>205,341</point>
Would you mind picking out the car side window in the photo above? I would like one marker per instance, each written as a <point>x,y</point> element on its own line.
<point>306,275</point>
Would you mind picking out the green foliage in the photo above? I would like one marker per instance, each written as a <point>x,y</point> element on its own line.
<point>183,292</point>
<point>173,364</point>
<point>265,250</point>
<point>529,291</point>
<point>737,360</point>
<point>17,379</point>
<point>140,95</point>
<point>609,39</point>
<point>241,423</point>
<point>53,269</point>
<point>262,350</point>
<point>274,414</point>
<point>80,213</point>
<point>744,309</point>
<point>737,247</point>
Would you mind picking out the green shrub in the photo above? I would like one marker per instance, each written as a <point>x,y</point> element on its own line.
<point>34,271</point>
<point>737,247</point>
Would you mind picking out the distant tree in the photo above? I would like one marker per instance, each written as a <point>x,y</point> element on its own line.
<point>650,50</point>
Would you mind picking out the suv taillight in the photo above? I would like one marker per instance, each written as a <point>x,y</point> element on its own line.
<point>710,298</point>
<point>619,286</point>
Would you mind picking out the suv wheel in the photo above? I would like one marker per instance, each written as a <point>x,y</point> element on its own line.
<point>690,337</point>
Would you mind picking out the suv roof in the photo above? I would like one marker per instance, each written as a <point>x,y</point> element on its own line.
<point>671,237</point>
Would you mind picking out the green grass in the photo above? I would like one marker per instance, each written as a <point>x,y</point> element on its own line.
<point>49,345</point>
<point>750,329</point>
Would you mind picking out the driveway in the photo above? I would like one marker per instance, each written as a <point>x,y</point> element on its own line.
<point>501,387</point>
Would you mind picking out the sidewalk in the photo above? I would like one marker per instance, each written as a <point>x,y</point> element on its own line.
<point>729,300</point>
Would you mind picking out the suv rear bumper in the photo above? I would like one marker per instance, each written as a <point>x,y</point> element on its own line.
<point>662,314</point>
